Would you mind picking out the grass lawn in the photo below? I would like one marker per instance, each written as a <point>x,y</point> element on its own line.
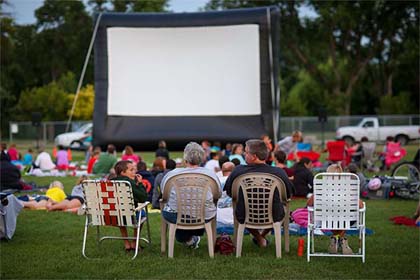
<point>48,246</point>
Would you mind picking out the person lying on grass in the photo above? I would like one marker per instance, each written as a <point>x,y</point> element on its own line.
<point>54,194</point>
<point>126,171</point>
<point>73,201</point>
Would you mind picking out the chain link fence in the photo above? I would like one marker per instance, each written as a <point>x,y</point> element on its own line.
<point>310,126</point>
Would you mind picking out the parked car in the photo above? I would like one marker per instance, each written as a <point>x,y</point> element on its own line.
<point>78,139</point>
<point>370,128</point>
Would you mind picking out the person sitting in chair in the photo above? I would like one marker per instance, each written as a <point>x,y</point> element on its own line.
<point>194,155</point>
<point>256,153</point>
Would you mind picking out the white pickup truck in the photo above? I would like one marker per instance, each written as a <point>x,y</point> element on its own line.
<point>369,127</point>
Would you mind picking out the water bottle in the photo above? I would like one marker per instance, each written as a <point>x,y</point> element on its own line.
<point>301,244</point>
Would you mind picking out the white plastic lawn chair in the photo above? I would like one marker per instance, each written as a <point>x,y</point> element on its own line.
<point>191,191</point>
<point>258,191</point>
<point>336,207</point>
<point>111,203</point>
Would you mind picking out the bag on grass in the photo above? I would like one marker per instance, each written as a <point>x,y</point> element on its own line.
<point>224,244</point>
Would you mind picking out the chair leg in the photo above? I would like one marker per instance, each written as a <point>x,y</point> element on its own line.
<point>277,235</point>
<point>137,238</point>
<point>286,231</point>
<point>239,238</point>
<point>210,238</point>
<point>84,239</point>
<point>163,229</point>
<point>172,229</point>
<point>235,231</point>
<point>214,227</point>
<point>308,253</point>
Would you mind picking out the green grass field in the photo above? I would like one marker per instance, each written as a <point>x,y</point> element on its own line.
<point>48,246</point>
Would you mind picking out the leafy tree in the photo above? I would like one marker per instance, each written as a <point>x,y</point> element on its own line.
<point>50,100</point>
<point>84,105</point>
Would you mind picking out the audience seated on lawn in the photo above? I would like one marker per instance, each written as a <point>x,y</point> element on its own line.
<point>54,194</point>
<point>288,144</point>
<point>62,158</point>
<point>162,151</point>
<point>270,147</point>
<point>105,161</point>
<point>130,155</point>
<point>194,155</point>
<point>213,163</point>
<point>10,177</point>
<point>280,161</point>
<point>338,241</point>
<point>157,194</point>
<point>126,171</point>
<point>303,178</point>
<point>237,151</point>
<point>43,161</point>
<point>148,178</point>
<point>92,160</point>
<point>255,154</point>
<point>71,202</point>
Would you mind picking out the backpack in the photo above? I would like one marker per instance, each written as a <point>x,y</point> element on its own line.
<point>224,244</point>
<point>300,216</point>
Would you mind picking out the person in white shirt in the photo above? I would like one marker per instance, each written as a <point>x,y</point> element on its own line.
<point>213,163</point>
<point>43,160</point>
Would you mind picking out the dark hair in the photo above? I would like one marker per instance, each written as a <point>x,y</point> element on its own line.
<point>352,168</point>
<point>121,166</point>
<point>302,162</point>
<point>223,159</point>
<point>170,164</point>
<point>364,139</point>
<point>236,161</point>
<point>141,165</point>
<point>280,156</point>
<point>60,147</point>
<point>110,149</point>
<point>257,147</point>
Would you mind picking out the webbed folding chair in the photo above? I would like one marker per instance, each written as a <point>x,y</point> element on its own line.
<point>336,207</point>
<point>191,191</point>
<point>394,153</point>
<point>258,192</point>
<point>111,203</point>
<point>336,151</point>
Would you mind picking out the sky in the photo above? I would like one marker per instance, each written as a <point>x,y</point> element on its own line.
<point>23,10</point>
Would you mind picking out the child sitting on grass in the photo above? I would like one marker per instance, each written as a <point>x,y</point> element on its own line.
<point>338,239</point>
<point>126,171</point>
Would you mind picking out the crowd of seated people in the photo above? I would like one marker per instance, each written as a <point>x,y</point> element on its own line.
<point>225,164</point>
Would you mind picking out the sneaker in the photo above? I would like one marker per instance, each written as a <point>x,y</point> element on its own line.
<point>193,243</point>
<point>345,247</point>
<point>333,247</point>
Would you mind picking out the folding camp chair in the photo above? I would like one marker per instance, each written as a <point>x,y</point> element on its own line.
<point>369,158</point>
<point>191,191</point>
<point>394,153</point>
<point>336,151</point>
<point>336,207</point>
<point>110,203</point>
<point>258,191</point>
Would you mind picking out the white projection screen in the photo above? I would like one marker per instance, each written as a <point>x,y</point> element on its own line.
<point>186,69</point>
<point>186,77</point>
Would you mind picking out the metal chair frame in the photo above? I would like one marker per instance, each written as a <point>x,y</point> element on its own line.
<point>111,203</point>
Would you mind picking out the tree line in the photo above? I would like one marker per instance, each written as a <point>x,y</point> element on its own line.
<point>348,57</point>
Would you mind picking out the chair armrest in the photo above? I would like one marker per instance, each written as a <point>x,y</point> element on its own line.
<point>310,209</point>
<point>140,206</point>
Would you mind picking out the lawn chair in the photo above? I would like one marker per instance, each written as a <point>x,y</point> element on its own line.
<point>336,152</point>
<point>394,153</point>
<point>191,191</point>
<point>369,158</point>
<point>336,207</point>
<point>258,191</point>
<point>111,203</point>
